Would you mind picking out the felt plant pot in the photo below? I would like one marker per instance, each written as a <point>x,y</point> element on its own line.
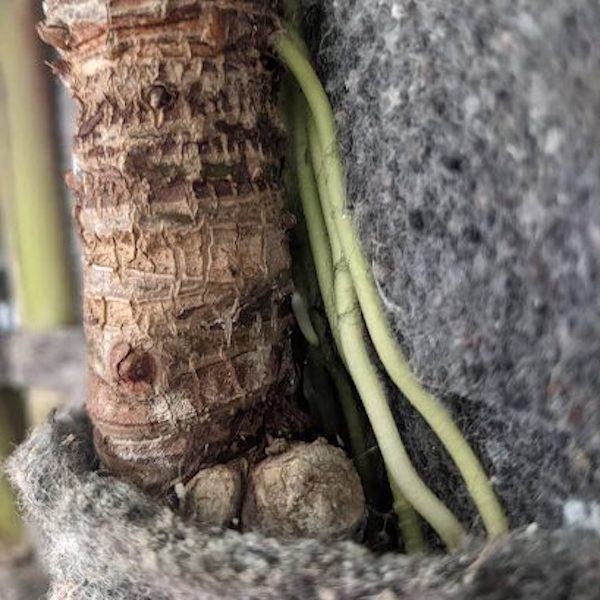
<point>103,538</point>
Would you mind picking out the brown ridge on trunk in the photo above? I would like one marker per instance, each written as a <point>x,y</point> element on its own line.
<point>186,262</point>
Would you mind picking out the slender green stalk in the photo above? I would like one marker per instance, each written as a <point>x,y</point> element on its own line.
<point>321,252</point>
<point>311,208</point>
<point>412,535</point>
<point>408,521</point>
<point>316,153</point>
<point>364,374</point>
<point>313,277</point>
<point>328,257</point>
<point>38,239</point>
<point>12,428</point>
<point>383,339</point>
<point>407,518</point>
<point>346,396</point>
<point>41,276</point>
<point>303,319</point>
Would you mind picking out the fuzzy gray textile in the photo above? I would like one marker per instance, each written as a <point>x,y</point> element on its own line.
<point>471,138</point>
<point>106,540</point>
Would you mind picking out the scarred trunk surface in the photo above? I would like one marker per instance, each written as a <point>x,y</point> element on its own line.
<point>186,263</point>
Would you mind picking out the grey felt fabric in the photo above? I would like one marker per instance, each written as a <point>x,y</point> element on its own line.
<point>106,540</point>
<point>471,138</point>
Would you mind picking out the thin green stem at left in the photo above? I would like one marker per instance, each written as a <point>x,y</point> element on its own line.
<point>41,272</point>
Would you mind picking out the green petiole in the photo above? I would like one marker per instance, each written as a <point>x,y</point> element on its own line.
<point>361,280</point>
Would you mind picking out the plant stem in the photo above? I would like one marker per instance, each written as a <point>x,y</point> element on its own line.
<point>311,208</point>
<point>365,377</point>
<point>412,534</point>
<point>383,339</point>
<point>303,319</point>
<point>41,275</point>
<point>42,280</point>
<point>316,153</point>
<point>328,258</point>
<point>12,428</point>
<point>407,518</point>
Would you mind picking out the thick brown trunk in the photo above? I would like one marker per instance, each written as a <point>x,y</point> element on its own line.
<point>186,263</point>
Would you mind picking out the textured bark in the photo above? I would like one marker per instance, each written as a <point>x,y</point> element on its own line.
<point>186,263</point>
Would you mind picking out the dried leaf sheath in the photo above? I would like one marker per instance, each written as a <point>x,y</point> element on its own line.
<point>186,264</point>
